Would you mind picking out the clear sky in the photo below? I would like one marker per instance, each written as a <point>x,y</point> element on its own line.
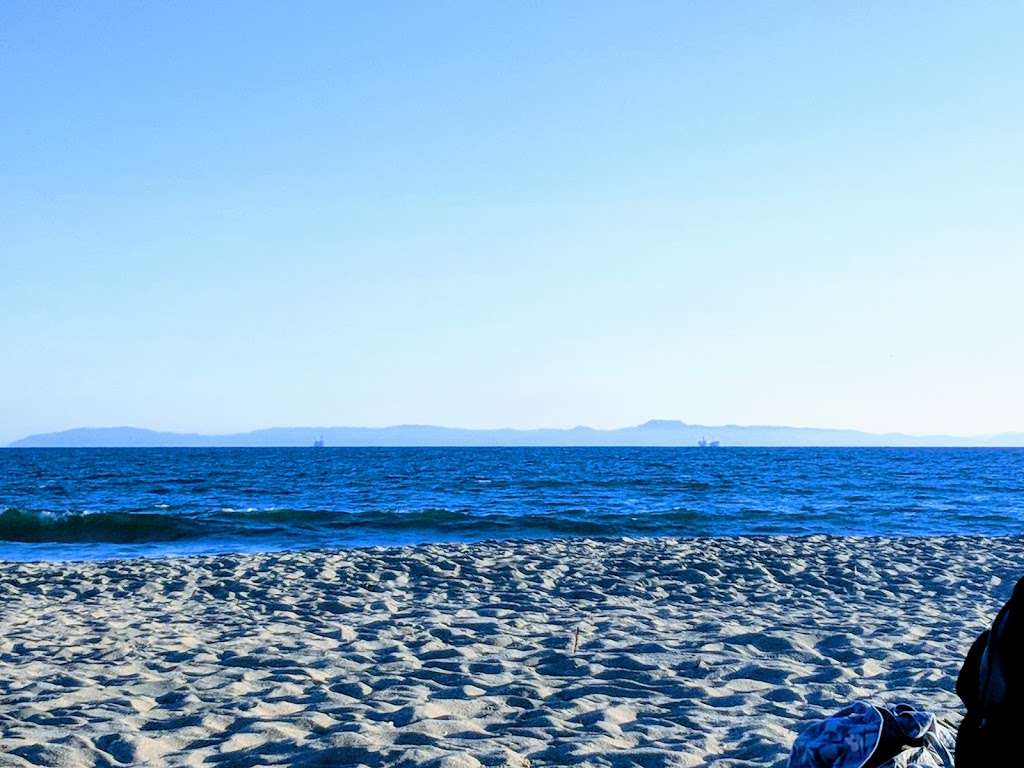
<point>519,214</point>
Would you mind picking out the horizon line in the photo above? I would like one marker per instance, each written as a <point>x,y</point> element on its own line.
<point>651,424</point>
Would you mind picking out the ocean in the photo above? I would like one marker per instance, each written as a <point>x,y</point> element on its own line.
<point>116,503</point>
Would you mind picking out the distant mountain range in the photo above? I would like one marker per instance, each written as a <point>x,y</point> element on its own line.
<point>651,433</point>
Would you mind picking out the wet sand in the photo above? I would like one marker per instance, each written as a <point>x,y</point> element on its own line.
<point>655,652</point>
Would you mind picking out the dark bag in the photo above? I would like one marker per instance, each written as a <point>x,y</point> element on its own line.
<point>991,686</point>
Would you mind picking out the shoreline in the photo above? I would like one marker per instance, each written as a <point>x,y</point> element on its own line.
<point>412,547</point>
<point>691,652</point>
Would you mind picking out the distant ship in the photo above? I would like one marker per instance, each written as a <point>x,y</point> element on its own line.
<point>319,443</point>
<point>705,444</point>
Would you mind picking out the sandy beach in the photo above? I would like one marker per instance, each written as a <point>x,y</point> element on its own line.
<point>654,652</point>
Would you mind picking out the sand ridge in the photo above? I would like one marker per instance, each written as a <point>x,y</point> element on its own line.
<point>701,652</point>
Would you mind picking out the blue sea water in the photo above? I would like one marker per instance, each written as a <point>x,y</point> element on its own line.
<point>100,503</point>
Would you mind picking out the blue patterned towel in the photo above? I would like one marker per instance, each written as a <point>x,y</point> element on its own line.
<point>865,736</point>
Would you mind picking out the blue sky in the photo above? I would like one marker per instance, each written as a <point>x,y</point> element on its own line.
<point>511,214</point>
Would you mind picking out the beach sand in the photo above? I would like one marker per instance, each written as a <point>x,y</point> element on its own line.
<point>690,652</point>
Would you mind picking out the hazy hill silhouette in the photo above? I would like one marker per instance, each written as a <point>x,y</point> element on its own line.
<point>651,433</point>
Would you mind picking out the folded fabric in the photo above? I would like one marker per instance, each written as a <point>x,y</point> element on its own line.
<point>865,736</point>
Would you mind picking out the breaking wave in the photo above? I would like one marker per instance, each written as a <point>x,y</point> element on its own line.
<point>134,527</point>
